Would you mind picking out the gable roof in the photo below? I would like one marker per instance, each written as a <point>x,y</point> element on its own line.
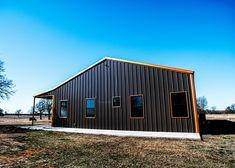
<point>120,60</point>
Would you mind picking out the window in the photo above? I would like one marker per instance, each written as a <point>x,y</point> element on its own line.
<point>116,102</point>
<point>137,106</point>
<point>63,108</point>
<point>179,104</point>
<point>90,108</point>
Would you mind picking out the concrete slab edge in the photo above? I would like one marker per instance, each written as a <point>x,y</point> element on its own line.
<point>123,133</point>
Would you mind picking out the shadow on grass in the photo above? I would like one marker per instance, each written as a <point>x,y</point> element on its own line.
<point>218,127</point>
<point>11,129</point>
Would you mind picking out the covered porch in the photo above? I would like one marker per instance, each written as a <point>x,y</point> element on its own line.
<point>42,103</point>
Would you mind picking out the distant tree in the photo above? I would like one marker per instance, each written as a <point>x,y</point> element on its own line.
<point>48,106</point>
<point>6,85</point>
<point>44,105</point>
<point>1,112</point>
<point>18,112</point>
<point>40,107</point>
<point>202,103</point>
<point>230,109</point>
<point>213,108</point>
<point>233,107</point>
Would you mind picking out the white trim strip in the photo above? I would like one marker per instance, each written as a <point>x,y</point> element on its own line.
<point>123,133</point>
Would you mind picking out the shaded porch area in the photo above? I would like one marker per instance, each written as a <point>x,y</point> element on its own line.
<point>43,105</point>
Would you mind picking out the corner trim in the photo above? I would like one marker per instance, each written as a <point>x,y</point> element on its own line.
<point>194,103</point>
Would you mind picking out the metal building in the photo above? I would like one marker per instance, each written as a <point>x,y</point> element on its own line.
<point>117,94</point>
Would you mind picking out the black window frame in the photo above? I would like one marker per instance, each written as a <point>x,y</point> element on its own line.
<point>186,103</point>
<point>134,117</point>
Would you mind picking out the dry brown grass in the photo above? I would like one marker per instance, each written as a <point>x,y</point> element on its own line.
<point>22,120</point>
<point>50,149</point>
<point>229,117</point>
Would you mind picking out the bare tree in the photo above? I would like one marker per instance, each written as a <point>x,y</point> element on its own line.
<point>6,85</point>
<point>48,106</point>
<point>1,112</point>
<point>40,107</point>
<point>233,107</point>
<point>18,112</point>
<point>202,103</point>
<point>230,109</point>
<point>44,105</point>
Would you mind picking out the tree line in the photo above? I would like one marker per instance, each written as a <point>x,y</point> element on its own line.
<point>43,107</point>
<point>203,108</point>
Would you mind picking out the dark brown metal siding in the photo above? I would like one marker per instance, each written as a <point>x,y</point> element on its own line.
<point>114,78</point>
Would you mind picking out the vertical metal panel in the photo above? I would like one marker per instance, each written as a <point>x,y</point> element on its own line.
<point>114,78</point>
<point>162,100</point>
<point>171,89</point>
<point>152,100</point>
<point>102,90</point>
<point>166,101</point>
<point>75,105</point>
<point>83,81</point>
<point>145,121</point>
<point>134,91</point>
<point>126,95</point>
<point>80,102</point>
<point>139,91</point>
<point>119,112</point>
<point>109,95</point>
<point>157,101</point>
<point>148,99</point>
<point>190,122</point>
<point>113,91</point>
<point>99,103</point>
<point>107,121</point>
<point>131,92</point>
<point>124,98</point>
<point>180,88</point>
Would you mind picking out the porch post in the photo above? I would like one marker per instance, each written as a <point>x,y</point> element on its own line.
<point>33,109</point>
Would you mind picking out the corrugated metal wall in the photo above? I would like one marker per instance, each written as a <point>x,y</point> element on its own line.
<point>115,78</point>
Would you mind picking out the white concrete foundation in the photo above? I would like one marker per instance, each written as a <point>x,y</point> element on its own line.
<point>148,134</point>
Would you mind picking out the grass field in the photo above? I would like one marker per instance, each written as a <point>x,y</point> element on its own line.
<point>22,148</point>
<point>22,120</point>
<point>229,117</point>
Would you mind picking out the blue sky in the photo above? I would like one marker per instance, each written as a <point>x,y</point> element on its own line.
<point>45,42</point>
